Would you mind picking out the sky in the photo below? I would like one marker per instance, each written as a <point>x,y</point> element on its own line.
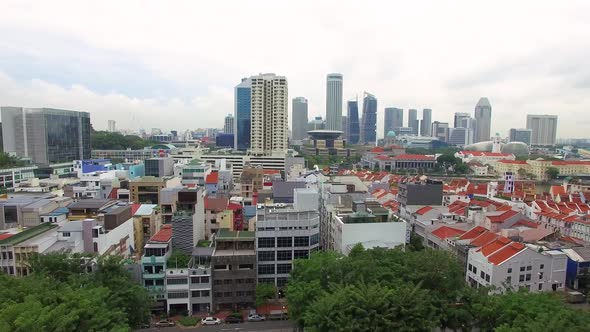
<point>174,64</point>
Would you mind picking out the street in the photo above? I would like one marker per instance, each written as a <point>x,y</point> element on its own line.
<point>267,326</point>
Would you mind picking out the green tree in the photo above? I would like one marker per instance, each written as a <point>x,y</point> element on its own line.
<point>265,291</point>
<point>415,243</point>
<point>552,173</point>
<point>7,161</point>
<point>114,141</point>
<point>178,259</point>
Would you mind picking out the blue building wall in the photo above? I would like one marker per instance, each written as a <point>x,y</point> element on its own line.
<point>95,165</point>
<point>353,122</point>
<point>224,140</point>
<point>369,119</point>
<point>242,117</point>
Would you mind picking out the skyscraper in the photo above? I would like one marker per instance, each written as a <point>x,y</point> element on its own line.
<point>269,114</point>
<point>242,115</point>
<point>459,118</point>
<point>483,120</point>
<point>394,118</point>
<point>228,127</point>
<point>344,127</point>
<point>112,126</point>
<point>334,102</point>
<point>353,122</point>
<point>426,124</point>
<point>299,119</point>
<point>413,121</point>
<point>543,129</point>
<point>46,135</point>
<point>369,121</point>
<point>440,130</point>
<point>520,135</point>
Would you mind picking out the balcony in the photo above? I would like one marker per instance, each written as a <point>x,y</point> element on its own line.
<point>156,289</point>
<point>153,260</point>
<point>157,275</point>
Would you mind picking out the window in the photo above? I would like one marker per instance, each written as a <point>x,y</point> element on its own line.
<point>265,256</point>
<point>475,270</point>
<point>196,293</point>
<point>522,269</point>
<point>227,294</point>
<point>284,255</point>
<point>487,277</point>
<point>540,275</point>
<point>528,268</point>
<point>240,293</point>
<point>300,254</point>
<point>521,278</point>
<point>509,279</point>
<point>228,282</point>
<point>266,269</point>
<point>266,242</point>
<point>528,277</point>
<point>239,281</point>
<point>481,274</point>
<point>540,286</point>
<point>204,280</point>
<point>301,241</point>
<point>283,242</point>
<point>314,239</point>
<point>250,281</point>
<point>66,234</point>
<point>283,268</point>
<point>214,221</point>
<point>246,266</point>
<point>177,295</point>
<point>266,280</point>
<point>205,293</point>
<point>282,282</point>
<point>542,266</point>
<point>509,270</point>
<point>217,282</point>
<point>218,294</point>
<point>176,281</point>
<point>195,280</point>
<point>470,267</point>
<point>221,267</point>
<point>249,293</point>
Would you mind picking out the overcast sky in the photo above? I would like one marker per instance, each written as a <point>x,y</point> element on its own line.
<point>174,64</point>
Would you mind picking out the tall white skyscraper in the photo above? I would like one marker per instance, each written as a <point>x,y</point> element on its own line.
<point>112,126</point>
<point>483,120</point>
<point>543,129</point>
<point>228,126</point>
<point>269,114</point>
<point>426,124</point>
<point>334,102</point>
<point>299,119</point>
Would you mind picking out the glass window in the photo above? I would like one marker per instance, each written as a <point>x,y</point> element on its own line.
<point>266,242</point>
<point>264,256</point>
<point>542,266</point>
<point>528,268</point>
<point>282,282</point>
<point>301,241</point>
<point>266,269</point>
<point>283,242</point>
<point>284,268</point>
<point>528,277</point>
<point>521,278</point>
<point>284,255</point>
<point>509,270</point>
<point>181,281</point>
<point>301,254</point>
<point>314,239</point>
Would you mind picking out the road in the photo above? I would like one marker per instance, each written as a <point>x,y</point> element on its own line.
<point>268,326</point>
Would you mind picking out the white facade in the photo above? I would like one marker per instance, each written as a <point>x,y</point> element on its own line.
<point>228,127</point>
<point>543,129</point>
<point>269,115</point>
<point>112,126</point>
<point>370,235</point>
<point>334,102</point>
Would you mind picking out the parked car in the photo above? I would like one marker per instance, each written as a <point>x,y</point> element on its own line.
<point>233,320</point>
<point>255,318</point>
<point>165,323</point>
<point>210,321</point>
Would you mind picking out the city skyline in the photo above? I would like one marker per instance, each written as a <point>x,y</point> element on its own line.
<point>84,64</point>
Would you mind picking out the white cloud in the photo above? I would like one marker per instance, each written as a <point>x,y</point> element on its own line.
<point>436,54</point>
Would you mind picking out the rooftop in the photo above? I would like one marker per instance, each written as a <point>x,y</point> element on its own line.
<point>224,234</point>
<point>27,234</point>
<point>163,235</point>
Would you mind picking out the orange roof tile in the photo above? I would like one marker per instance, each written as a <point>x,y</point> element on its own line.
<point>494,246</point>
<point>413,157</point>
<point>473,233</point>
<point>164,235</point>
<point>502,217</point>
<point>445,232</point>
<point>484,238</point>
<point>506,253</point>
<point>423,210</point>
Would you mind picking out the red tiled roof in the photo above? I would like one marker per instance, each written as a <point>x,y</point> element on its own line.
<point>504,207</point>
<point>234,206</point>
<point>494,246</point>
<point>423,210</point>
<point>212,178</point>
<point>413,157</point>
<point>506,253</point>
<point>113,193</point>
<point>569,162</point>
<point>484,238</point>
<point>383,157</point>
<point>526,223</point>
<point>478,189</point>
<point>5,236</point>
<point>557,190</point>
<point>134,208</point>
<point>519,162</point>
<point>377,149</point>
<point>445,232</point>
<point>502,217</point>
<point>216,203</point>
<point>164,235</point>
<point>473,233</point>
<point>271,171</point>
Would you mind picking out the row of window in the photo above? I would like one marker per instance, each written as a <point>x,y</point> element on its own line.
<point>270,268</point>
<point>282,255</point>
<point>231,294</point>
<point>288,241</point>
<point>232,281</point>
<point>226,267</point>
<point>199,280</point>
<point>201,293</point>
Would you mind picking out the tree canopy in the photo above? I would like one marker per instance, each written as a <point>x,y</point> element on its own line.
<point>552,172</point>
<point>7,161</point>
<point>60,295</point>
<point>105,140</point>
<point>392,290</point>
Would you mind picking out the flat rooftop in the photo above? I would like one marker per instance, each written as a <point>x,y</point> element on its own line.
<point>224,234</point>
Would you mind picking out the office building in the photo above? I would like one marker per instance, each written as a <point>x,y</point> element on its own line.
<point>353,122</point>
<point>242,114</point>
<point>440,130</point>
<point>334,102</point>
<point>426,124</point>
<point>228,127</point>
<point>299,119</point>
<point>394,118</point>
<point>459,119</point>
<point>543,129</point>
<point>520,135</point>
<point>112,126</point>
<point>413,121</point>
<point>326,143</point>
<point>224,140</point>
<point>46,135</point>
<point>458,136</point>
<point>369,120</point>
<point>316,124</point>
<point>344,127</point>
<point>159,167</point>
<point>269,114</point>
<point>483,120</point>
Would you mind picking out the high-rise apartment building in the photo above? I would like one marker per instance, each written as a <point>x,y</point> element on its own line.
<point>228,127</point>
<point>269,114</point>
<point>483,120</point>
<point>394,118</point>
<point>334,102</point>
<point>353,132</point>
<point>413,121</point>
<point>112,126</point>
<point>242,114</point>
<point>299,119</point>
<point>543,129</point>
<point>369,121</point>
<point>426,124</point>
<point>520,135</point>
<point>46,135</point>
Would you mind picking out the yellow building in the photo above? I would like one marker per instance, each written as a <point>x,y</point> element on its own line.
<point>226,219</point>
<point>539,167</point>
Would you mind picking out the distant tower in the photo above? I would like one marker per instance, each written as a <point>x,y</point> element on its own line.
<point>299,118</point>
<point>228,126</point>
<point>426,124</point>
<point>334,102</point>
<point>508,182</point>
<point>496,144</point>
<point>483,120</point>
<point>112,126</point>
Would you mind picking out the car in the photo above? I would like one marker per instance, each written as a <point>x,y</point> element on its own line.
<point>255,318</point>
<point>233,320</point>
<point>210,321</point>
<point>165,323</point>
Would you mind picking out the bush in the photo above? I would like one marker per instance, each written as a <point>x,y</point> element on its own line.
<point>188,321</point>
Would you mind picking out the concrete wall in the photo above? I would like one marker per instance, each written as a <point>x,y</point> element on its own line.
<point>388,232</point>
